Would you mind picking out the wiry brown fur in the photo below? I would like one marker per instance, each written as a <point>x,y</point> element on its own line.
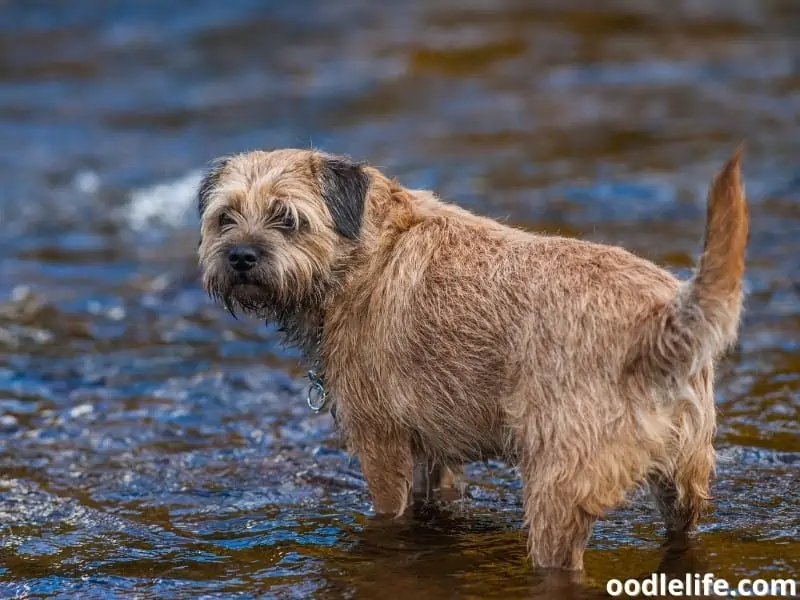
<point>449,337</point>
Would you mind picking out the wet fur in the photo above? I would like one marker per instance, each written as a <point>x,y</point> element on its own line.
<point>449,337</point>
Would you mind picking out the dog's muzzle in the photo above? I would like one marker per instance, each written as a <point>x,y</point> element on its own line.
<point>243,258</point>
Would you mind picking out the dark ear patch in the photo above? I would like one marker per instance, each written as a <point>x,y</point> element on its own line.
<point>344,189</point>
<point>209,181</point>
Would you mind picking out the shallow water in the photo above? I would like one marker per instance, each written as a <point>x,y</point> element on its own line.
<point>152,446</point>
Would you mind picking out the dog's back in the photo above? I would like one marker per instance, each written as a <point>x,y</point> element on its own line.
<point>497,322</point>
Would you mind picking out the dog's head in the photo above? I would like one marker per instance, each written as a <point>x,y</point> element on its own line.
<point>275,226</point>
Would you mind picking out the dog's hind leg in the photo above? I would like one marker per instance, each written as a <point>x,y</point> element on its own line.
<point>558,525</point>
<point>573,471</point>
<point>559,528</point>
<point>682,494</point>
<point>682,490</point>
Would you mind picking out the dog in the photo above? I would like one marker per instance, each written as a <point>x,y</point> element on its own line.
<point>444,337</point>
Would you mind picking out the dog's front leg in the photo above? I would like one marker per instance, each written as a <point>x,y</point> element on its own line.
<point>433,479</point>
<point>388,465</point>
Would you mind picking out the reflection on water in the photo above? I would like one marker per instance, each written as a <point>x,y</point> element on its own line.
<point>151,446</point>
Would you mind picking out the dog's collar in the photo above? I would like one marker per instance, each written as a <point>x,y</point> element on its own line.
<point>317,395</point>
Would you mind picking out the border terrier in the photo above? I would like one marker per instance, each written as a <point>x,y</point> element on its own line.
<point>446,337</point>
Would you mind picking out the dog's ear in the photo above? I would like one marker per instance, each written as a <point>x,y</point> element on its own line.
<point>344,189</point>
<point>209,182</point>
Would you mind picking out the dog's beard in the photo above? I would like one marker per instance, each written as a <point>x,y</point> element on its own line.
<point>276,298</point>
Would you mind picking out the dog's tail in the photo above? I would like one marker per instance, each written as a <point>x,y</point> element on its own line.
<point>703,319</point>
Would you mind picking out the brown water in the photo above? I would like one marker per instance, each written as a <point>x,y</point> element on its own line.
<point>150,446</point>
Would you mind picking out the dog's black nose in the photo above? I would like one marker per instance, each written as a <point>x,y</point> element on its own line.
<point>243,258</point>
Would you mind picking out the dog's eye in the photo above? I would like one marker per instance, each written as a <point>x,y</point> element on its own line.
<point>225,219</point>
<point>288,221</point>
